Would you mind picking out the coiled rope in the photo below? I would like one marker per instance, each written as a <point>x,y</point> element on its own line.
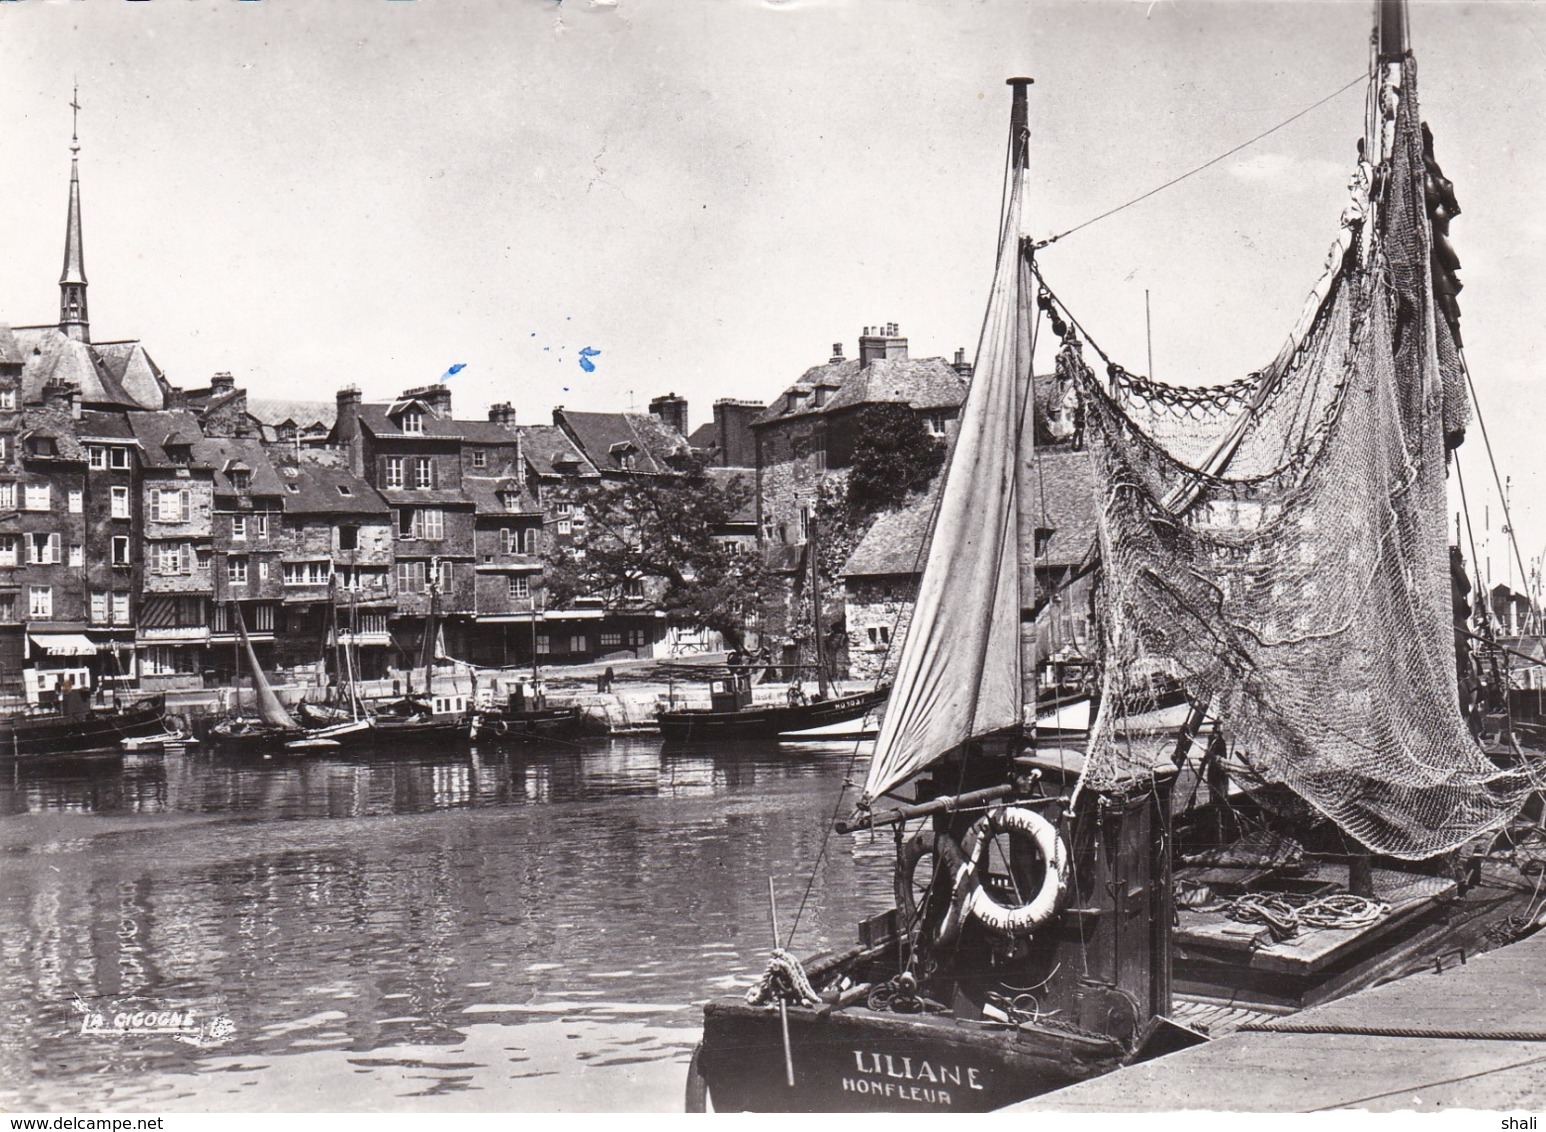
<point>1284,915</point>
<point>784,980</point>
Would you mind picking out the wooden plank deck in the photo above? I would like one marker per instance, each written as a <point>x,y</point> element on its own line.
<point>1494,993</point>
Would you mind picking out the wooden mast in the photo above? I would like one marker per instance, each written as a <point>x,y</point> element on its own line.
<point>821,645</point>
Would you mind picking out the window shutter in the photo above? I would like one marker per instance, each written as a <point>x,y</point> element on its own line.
<point>53,548</point>
<point>155,506</point>
<point>185,498</point>
<point>185,559</point>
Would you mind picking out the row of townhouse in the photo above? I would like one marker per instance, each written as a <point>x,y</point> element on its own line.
<point>132,538</point>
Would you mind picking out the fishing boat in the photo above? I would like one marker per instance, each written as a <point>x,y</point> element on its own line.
<point>1323,819</point>
<point>526,716</point>
<point>733,713</point>
<point>271,728</point>
<point>56,734</point>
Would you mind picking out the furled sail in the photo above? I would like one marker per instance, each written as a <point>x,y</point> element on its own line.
<point>1280,544</point>
<point>270,710</point>
<point>958,676</point>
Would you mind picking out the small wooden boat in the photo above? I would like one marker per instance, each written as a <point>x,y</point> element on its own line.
<point>530,723</point>
<point>733,715</point>
<point>415,719</point>
<point>96,731</point>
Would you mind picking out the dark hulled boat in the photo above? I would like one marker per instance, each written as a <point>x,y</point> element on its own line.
<point>732,714</point>
<point>95,731</point>
<point>1063,909</point>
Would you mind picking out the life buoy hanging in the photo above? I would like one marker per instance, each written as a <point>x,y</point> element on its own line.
<point>1018,921</point>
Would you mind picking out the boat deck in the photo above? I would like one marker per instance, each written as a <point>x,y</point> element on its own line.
<point>1492,999</point>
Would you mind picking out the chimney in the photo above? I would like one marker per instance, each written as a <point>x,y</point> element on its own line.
<point>881,342</point>
<point>221,384</point>
<point>837,354</point>
<point>502,414</point>
<point>63,396</point>
<point>961,365</point>
<point>437,397</point>
<point>671,410</point>
<point>347,428</point>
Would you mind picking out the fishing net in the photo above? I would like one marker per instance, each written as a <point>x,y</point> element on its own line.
<point>1278,546</point>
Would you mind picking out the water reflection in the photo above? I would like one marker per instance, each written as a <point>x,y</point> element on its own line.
<point>375,903</point>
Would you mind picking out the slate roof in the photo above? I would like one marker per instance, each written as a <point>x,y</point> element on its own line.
<point>48,355</point>
<point>420,496</point>
<point>923,383</point>
<point>544,446</point>
<point>375,417</point>
<point>890,547</point>
<point>485,432</point>
<point>488,491</point>
<point>653,444</point>
<point>705,437</point>
<point>134,370</point>
<point>153,431</point>
<point>108,425</point>
<point>223,452</point>
<point>1067,483</point>
<point>302,414</point>
<point>746,478</point>
<point>319,475</point>
<point>10,351</point>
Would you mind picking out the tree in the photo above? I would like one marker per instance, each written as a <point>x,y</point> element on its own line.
<point>893,456</point>
<point>663,535</point>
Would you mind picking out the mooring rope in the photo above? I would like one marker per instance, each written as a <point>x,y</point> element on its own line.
<point>1289,1026</point>
<point>784,980</point>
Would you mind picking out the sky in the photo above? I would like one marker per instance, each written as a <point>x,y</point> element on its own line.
<point>711,193</point>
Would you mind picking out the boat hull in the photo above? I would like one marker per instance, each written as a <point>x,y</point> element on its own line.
<point>536,723</point>
<point>97,732</point>
<point>859,1060</point>
<point>768,722</point>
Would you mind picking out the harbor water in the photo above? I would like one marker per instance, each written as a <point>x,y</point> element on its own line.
<point>519,928</point>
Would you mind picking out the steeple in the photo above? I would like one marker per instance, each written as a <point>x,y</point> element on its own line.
<point>73,319</point>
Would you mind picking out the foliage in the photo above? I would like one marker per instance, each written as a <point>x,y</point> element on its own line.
<point>661,535</point>
<point>894,455</point>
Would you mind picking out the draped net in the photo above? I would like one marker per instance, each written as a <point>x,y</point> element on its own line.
<point>1301,588</point>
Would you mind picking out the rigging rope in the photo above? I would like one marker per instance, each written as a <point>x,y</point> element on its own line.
<point>1205,165</point>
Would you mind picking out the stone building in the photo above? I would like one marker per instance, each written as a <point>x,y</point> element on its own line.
<point>1057,536</point>
<point>176,499</point>
<point>806,436</point>
<point>337,558</point>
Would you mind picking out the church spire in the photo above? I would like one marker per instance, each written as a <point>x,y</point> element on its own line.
<point>73,320</point>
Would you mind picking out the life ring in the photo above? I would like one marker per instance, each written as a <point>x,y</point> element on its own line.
<point>499,727</point>
<point>1018,921</point>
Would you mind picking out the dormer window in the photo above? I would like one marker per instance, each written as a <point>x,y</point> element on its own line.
<point>412,421</point>
<point>509,500</point>
<point>241,480</point>
<point>42,446</point>
<point>179,454</point>
<point>479,458</point>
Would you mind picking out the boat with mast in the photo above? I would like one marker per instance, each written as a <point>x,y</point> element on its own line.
<point>1323,819</point>
<point>732,712</point>
<point>272,728</point>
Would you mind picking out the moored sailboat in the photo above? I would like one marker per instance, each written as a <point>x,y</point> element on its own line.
<point>1274,548</point>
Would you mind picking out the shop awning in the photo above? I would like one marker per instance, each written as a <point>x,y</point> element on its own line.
<point>64,644</point>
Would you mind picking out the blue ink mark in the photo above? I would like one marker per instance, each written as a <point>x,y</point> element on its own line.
<point>586,354</point>
<point>533,333</point>
<point>452,372</point>
<point>546,349</point>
